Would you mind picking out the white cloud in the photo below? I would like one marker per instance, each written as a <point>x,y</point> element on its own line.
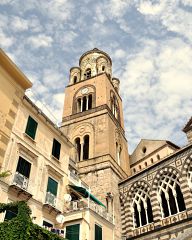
<point>19,24</point>
<point>40,40</point>
<point>157,89</point>
<point>120,53</point>
<point>5,40</point>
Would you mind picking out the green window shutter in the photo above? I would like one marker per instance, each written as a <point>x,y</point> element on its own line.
<point>56,149</point>
<point>72,232</point>
<point>23,167</point>
<point>52,186</point>
<point>31,127</point>
<point>98,232</point>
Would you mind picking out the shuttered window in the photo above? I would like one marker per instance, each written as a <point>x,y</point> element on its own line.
<point>52,186</point>
<point>56,149</point>
<point>98,232</point>
<point>23,167</point>
<point>31,127</point>
<point>72,232</point>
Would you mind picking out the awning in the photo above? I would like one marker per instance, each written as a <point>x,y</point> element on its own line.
<point>84,193</point>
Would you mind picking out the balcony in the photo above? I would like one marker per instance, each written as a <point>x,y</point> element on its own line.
<point>89,204</point>
<point>74,179</point>
<point>20,186</point>
<point>50,202</point>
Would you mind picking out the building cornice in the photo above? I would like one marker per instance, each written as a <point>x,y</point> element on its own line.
<point>14,71</point>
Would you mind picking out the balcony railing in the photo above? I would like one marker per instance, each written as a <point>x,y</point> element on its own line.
<point>89,204</point>
<point>50,199</point>
<point>73,178</point>
<point>20,180</point>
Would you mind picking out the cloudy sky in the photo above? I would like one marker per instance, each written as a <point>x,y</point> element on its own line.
<point>149,41</point>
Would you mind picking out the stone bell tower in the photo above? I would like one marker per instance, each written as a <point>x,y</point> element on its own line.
<point>93,120</point>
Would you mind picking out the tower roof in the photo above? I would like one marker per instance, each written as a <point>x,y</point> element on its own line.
<point>95,50</point>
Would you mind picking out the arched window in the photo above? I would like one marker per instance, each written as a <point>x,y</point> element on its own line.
<point>87,73</point>
<point>170,195</point>
<point>189,176</point>
<point>84,103</point>
<point>79,109</point>
<point>141,207</point>
<point>86,147</point>
<point>78,147</point>
<point>103,68</point>
<point>75,79</point>
<point>158,157</point>
<point>114,107</point>
<point>118,153</point>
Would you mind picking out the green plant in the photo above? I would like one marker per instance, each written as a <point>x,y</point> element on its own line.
<point>21,226</point>
<point>5,174</point>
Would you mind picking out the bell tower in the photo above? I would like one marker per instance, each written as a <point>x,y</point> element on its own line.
<point>93,121</point>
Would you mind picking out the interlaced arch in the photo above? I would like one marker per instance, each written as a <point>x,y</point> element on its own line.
<point>170,196</point>
<point>141,205</point>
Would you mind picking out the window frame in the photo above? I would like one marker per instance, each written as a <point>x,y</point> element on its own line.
<point>31,127</point>
<point>56,149</point>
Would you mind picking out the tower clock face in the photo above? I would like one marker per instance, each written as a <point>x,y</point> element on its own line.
<point>84,90</point>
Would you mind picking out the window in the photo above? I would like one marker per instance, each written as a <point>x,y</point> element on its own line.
<point>78,147</point>
<point>56,149</point>
<point>98,232</point>
<point>9,215</point>
<point>103,68</point>
<point>86,148</point>
<point>141,207</point>
<point>82,148</point>
<point>47,224</point>
<point>84,103</point>
<point>87,73</point>
<point>52,186</point>
<point>151,160</point>
<point>118,153</point>
<point>158,156</point>
<point>114,107</point>
<point>72,232</point>
<point>170,195</point>
<point>75,79</point>
<point>23,167</point>
<point>31,127</point>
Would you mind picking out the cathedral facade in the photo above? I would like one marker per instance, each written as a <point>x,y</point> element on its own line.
<point>83,170</point>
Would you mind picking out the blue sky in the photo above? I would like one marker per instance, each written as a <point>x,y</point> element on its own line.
<point>149,41</point>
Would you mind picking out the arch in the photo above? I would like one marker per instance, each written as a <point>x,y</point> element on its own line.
<point>102,62</point>
<point>78,148</point>
<point>114,105</point>
<point>170,197</point>
<point>84,101</point>
<point>141,208</point>
<point>81,131</point>
<point>75,73</point>
<point>87,73</point>
<point>86,147</point>
<point>187,170</point>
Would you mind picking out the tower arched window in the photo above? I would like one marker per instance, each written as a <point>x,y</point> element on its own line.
<point>82,146</point>
<point>75,79</point>
<point>87,73</point>
<point>86,147</point>
<point>141,208</point>
<point>170,195</point>
<point>118,153</point>
<point>78,147</point>
<point>84,103</point>
<point>114,107</point>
